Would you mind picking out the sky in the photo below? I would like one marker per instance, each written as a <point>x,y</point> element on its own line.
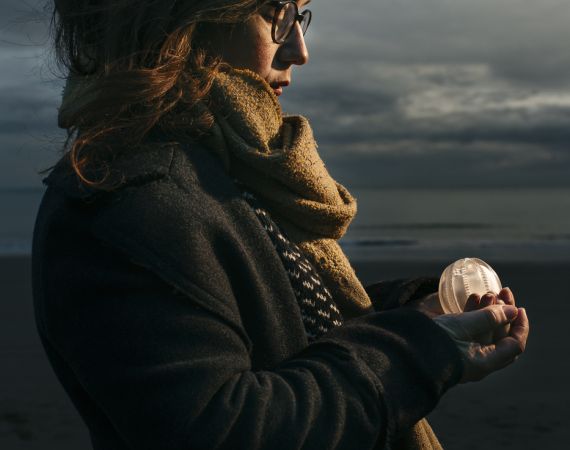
<point>400,93</point>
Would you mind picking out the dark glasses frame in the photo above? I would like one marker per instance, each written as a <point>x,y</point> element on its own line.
<point>299,17</point>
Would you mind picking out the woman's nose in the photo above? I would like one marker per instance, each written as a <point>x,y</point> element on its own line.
<point>294,50</point>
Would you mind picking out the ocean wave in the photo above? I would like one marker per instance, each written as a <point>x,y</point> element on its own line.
<point>379,242</point>
<point>552,237</point>
<point>556,244</point>
<point>15,247</point>
<point>428,226</point>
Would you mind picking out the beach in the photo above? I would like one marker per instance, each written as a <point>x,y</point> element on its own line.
<point>521,407</point>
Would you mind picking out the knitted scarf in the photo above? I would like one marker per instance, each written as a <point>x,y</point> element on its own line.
<point>276,157</point>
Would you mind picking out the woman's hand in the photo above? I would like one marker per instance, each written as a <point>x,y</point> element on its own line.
<point>469,329</point>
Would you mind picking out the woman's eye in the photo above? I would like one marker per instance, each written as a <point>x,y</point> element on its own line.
<point>268,13</point>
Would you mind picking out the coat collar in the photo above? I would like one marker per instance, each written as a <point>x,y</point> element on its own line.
<point>149,161</point>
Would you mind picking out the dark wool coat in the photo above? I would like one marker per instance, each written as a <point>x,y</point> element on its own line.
<point>170,321</point>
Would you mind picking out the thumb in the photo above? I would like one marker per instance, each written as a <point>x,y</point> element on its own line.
<point>485,320</point>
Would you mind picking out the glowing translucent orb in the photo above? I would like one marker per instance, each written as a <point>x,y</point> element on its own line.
<point>465,277</point>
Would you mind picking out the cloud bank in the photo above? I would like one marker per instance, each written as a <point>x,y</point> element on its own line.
<point>407,93</point>
<point>440,92</point>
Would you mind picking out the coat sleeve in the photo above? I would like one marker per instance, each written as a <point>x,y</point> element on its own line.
<point>386,295</point>
<point>169,374</point>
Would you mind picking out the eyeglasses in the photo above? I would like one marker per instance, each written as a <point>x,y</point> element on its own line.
<point>286,14</point>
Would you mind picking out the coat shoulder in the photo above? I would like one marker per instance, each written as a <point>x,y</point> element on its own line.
<point>144,163</point>
<point>167,180</point>
<point>175,211</point>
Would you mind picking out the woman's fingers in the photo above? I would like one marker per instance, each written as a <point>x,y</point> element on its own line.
<point>504,297</point>
<point>507,296</point>
<point>520,328</point>
<point>488,299</point>
<point>509,348</point>
<point>473,303</point>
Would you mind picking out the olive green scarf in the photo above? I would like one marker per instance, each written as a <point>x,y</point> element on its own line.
<point>276,157</point>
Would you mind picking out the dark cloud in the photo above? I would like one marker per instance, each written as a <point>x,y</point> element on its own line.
<point>523,41</point>
<point>458,91</point>
<point>409,93</point>
<point>29,94</point>
<point>24,23</point>
<point>336,100</point>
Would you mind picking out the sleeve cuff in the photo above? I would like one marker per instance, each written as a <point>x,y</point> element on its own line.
<point>386,295</point>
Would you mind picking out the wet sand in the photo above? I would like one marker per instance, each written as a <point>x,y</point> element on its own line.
<point>523,407</point>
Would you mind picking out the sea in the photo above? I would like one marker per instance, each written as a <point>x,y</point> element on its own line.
<point>402,224</point>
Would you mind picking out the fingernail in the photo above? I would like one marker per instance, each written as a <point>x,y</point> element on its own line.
<point>510,311</point>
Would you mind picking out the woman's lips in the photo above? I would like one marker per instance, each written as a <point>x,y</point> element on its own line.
<point>277,86</point>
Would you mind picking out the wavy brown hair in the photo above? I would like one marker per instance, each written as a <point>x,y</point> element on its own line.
<point>141,57</point>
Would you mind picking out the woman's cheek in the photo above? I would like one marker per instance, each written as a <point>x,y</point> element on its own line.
<point>264,61</point>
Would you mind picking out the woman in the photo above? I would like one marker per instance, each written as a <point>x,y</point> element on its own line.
<point>188,285</point>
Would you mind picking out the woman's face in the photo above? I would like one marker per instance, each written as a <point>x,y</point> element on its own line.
<point>250,46</point>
